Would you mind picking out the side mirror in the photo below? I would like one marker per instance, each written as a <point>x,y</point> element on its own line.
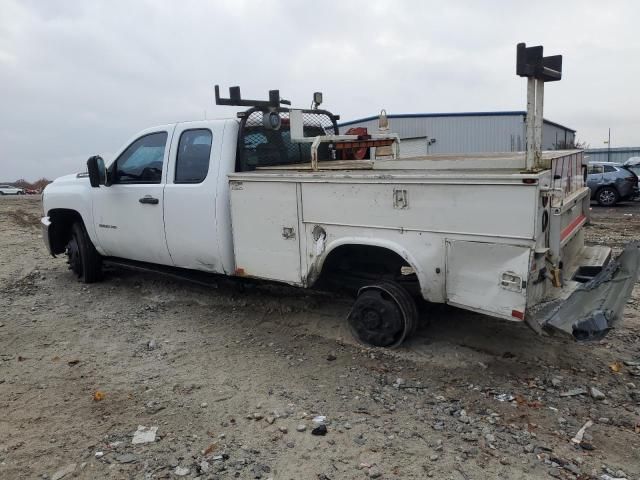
<point>97,171</point>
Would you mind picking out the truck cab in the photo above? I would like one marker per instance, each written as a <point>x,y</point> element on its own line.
<point>164,199</point>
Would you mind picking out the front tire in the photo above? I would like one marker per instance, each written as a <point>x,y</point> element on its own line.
<point>383,315</point>
<point>607,197</point>
<point>82,257</point>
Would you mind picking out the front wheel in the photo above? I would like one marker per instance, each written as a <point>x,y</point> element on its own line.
<point>82,257</point>
<point>607,196</point>
<point>383,315</point>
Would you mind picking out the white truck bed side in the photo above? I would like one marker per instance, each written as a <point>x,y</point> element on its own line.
<point>412,213</point>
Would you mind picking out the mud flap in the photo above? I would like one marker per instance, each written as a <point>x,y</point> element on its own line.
<point>597,306</point>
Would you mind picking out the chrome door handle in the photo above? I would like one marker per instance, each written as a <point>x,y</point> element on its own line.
<point>149,199</point>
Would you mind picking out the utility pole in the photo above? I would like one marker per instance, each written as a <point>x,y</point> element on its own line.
<point>609,146</point>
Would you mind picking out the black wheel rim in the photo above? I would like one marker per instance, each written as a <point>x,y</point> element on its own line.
<point>376,319</point>
<point>73,256</point>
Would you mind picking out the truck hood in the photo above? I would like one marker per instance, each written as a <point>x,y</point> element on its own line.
<point>72,178</point>
<point>72,181</point>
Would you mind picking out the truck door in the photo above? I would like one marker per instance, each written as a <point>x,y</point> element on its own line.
<point>128,214</point>
<point>191,196</point>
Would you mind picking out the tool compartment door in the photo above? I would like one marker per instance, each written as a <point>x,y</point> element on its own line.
<point>487,277</point>
<point>266,237</point>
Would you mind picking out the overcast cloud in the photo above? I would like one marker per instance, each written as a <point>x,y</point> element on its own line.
<point>81,77</point>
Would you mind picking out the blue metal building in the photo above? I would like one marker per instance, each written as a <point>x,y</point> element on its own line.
<point>423,133</point>
<point>619,155</point>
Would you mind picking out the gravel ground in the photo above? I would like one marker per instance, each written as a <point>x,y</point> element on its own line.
<point>230,379</point>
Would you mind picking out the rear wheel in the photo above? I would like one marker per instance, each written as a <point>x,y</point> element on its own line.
<point>607,196</point>
<point>82,257</point>
<point>383,315</point>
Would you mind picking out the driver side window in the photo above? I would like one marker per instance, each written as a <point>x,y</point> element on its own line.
<point>141,162</point>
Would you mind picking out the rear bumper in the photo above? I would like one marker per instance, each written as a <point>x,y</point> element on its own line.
<point>597,306</point>
<point>45,224</point>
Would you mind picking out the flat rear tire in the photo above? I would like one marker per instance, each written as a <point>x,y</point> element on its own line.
<point>383,315</point>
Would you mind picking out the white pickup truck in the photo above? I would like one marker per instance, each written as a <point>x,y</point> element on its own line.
<point>277,194</point>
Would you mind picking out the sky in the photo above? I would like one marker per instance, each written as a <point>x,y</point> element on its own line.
<point>79,78</point>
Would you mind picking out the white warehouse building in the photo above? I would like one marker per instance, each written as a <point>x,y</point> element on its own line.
<point>471,132</point>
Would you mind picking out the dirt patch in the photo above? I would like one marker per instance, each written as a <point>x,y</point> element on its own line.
<point>230,375</point>
<point>23,218</point>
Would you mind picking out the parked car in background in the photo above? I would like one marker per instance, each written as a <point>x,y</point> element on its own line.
<point>10,190</point>
<point>611,182</point>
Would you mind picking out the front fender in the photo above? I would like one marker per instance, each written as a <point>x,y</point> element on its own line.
<point>72,193</point>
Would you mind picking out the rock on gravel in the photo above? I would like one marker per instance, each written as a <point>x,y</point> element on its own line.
<point>319,430</point>
<point>144,435</point>
<point>573,392</point>
<point>596,394</point>
<point>182,471</point>
<point>204,466</point>
<point>153,406</point>
<point>63,472</point>
<point>375,472</point>
<point>126,458</point>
